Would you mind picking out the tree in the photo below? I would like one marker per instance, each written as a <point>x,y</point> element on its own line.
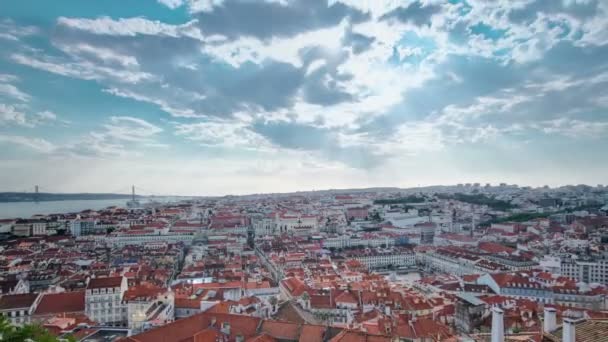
<point>27,332</point>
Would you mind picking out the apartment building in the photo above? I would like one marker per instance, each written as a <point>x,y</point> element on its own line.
<point>103,300</point>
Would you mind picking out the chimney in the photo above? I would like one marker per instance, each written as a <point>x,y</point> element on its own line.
<point>550,322</point>
<point>498,330</point>
<point>568,331</point>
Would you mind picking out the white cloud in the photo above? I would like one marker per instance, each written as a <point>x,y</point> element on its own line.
<point>132,27</point>
<point>174,110</point>
<point>103,54</point>
<point>376,7</point>
<point>574,128</point>
<point>36,144</point>
<point>46,116</point>
<point>288,50</point>
<point>222,134</point>
<point>11,91</point>
<point>11,115</point>
<point>130,129</point>
<point>82,69</point>
<point>5,78</point>
<point>13,32</point>
<point>203,5</point>
<point>172,4</point>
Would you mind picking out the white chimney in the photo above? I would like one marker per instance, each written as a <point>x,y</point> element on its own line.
<point>498,330</point>
<point>550,322</point>
<point>568,331</point>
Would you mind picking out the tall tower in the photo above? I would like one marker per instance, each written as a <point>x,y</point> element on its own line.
<point>472,225</point>
<point>498,332</point>
<point>427,233</point>
<point>36,194</point>
<point>133,193</point>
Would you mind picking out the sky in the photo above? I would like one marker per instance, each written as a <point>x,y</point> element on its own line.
<point>213,97</point>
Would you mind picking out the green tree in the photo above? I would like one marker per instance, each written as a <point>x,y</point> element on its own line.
<point>27,332</point>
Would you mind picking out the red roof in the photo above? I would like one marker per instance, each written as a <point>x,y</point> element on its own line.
<point>281,330</point>
<point>107,282</point>
<point>17,301</point>
<point>53,303</point>
<point>492,247</point>
<point>186,328</point>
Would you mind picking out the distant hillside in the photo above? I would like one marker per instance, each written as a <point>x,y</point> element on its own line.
<point>45,197</point>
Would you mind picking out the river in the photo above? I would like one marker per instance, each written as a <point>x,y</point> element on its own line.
<point>29,209</point>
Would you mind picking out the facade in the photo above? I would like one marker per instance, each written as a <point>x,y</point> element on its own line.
<point>427,233</point>
<point>344,241</point>
<point>373,259</point>
<point>523,286</point>
<point>586,270</point>
<point>103,300</point>
<point>296,222</point>
<point>24,228</point>
<point>264,226</point>
<point>18,308</point>
<point>146,310</point>
<point>469,313</point>
<point>84,227</point>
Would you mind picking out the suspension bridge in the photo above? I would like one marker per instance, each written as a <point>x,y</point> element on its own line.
<point>38,193</point>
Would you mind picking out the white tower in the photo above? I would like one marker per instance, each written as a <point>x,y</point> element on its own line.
<point>569,330</point>
<point>498,330</point>
<point>550,321</point>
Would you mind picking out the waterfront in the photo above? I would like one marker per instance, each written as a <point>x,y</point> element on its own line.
<point>29,209</point>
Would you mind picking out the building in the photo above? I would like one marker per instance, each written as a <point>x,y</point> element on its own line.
<point>585,269</point>
<point>25,228</point>
<point>103,300</point>
<point>148,307</point>
<point>85,227</point>
<point>6,226</point>
<point>18,308</point>
<point>427,233</point>
<point>469,313</point>
<point>383,258</point>
<point>547,291</point>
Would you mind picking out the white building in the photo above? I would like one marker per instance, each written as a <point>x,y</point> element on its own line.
<point>147,310</point>
<point>378,259</point>
<point>103,300</point>
<point>587,270</point>
<point>289,222</point>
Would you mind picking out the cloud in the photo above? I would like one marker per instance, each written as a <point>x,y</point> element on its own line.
<point>11,91</point>
<point>130,27</point>
<point>103,55</point>
<point>119,137</point>
<point>47,116</point>
<point>222,134</point>
<point>265,19</point>
<point>35,144</point>
<point>11,115</point>
<point>82,69</point>
<point>416,13</point>
<point>130,129</point>
<point>203,5</point>
<point>574,128</point>
<point>10,31</point>
<point>172,4</point>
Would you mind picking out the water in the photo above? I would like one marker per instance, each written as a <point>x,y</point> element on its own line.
<point>29,209</point>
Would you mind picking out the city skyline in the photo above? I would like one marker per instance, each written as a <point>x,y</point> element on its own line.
<point>217,97</point>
